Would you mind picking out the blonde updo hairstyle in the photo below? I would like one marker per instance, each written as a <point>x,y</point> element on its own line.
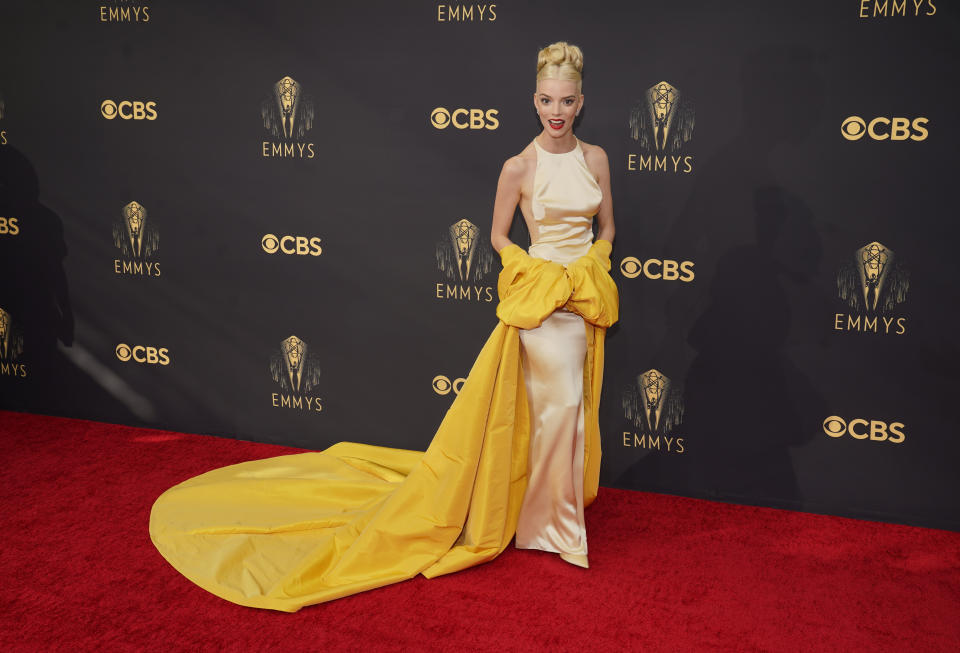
<point>560,60</point>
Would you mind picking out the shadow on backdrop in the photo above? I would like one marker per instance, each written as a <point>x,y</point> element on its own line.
<point>745,401</point>
<point>35,298</point>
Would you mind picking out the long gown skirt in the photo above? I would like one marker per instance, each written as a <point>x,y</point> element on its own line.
<point>551,515</point>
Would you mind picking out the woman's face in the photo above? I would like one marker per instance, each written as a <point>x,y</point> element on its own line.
<point>557,103</point>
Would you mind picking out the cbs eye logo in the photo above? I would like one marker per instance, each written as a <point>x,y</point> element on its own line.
<point>442,385</point>
<point>299,245</point>
<point>127,110</point>
<point>465,118</point>
<point>653,268</point>
<point>881,129</point>
<point>862,429</point>
<point>141,354</point>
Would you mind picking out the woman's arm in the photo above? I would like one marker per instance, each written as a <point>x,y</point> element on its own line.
<point>605,214</point>
<point>508,196</point>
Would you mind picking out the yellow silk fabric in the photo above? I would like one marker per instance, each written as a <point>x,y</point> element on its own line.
<point>290,531</point>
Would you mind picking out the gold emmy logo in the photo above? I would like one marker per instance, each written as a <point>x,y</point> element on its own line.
<point>11,346</point>
<point>287,116</point>
<point>447,13</point>
<point>465,259</point>
<point>297,371</point>
<point>124,11</point>
<point>138,239</point>
<point>895,8</point>
<point>293,368</point>
<point>654,406</point>
<point>11,342</point>
<point>662,120</point>
<point>873,283</point>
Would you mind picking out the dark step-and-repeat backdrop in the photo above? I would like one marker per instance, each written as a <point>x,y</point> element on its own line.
<point>239,218</point>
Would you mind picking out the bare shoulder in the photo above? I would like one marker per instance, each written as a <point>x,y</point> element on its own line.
<point>596,160</point>
<point>517,167</point>
<point>594,152</point>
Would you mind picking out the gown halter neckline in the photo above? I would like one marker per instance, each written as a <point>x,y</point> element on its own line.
<point>540,148</point>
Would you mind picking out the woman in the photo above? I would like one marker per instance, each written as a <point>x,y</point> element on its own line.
<point>295,530</point>
<point>559,182</point>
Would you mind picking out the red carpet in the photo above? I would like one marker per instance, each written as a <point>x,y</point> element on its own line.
<point>667,573</point>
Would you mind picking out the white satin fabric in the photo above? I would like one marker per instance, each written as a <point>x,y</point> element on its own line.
<point>565,198</point>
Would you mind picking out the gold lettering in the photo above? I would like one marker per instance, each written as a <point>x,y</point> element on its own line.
<point>900,10</point>
<point>901,325</point>
<point>867,324</point>
<point>853,324</point>
<point>274,397</point>
<point>631,162</point>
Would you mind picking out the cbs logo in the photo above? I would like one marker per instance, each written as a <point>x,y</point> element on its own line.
<point>861,429</point>
<point>464,118</point>
<point>654,268</point>
<point>128,110</point>
<point>442,385</point>
<point>880,129</point>
<point>9,226</point>
<point>299,245</point>
<point>140,354</point>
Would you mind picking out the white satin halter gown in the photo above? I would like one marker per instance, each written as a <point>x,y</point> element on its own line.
<point>566,196</point>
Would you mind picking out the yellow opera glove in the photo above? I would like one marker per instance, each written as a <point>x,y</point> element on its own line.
<point>530,288</point>
<point>594,294</point>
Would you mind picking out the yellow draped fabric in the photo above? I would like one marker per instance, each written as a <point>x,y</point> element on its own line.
<point>295,530</point>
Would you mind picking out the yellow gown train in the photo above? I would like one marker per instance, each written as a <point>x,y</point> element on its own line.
<point>290,531</point>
